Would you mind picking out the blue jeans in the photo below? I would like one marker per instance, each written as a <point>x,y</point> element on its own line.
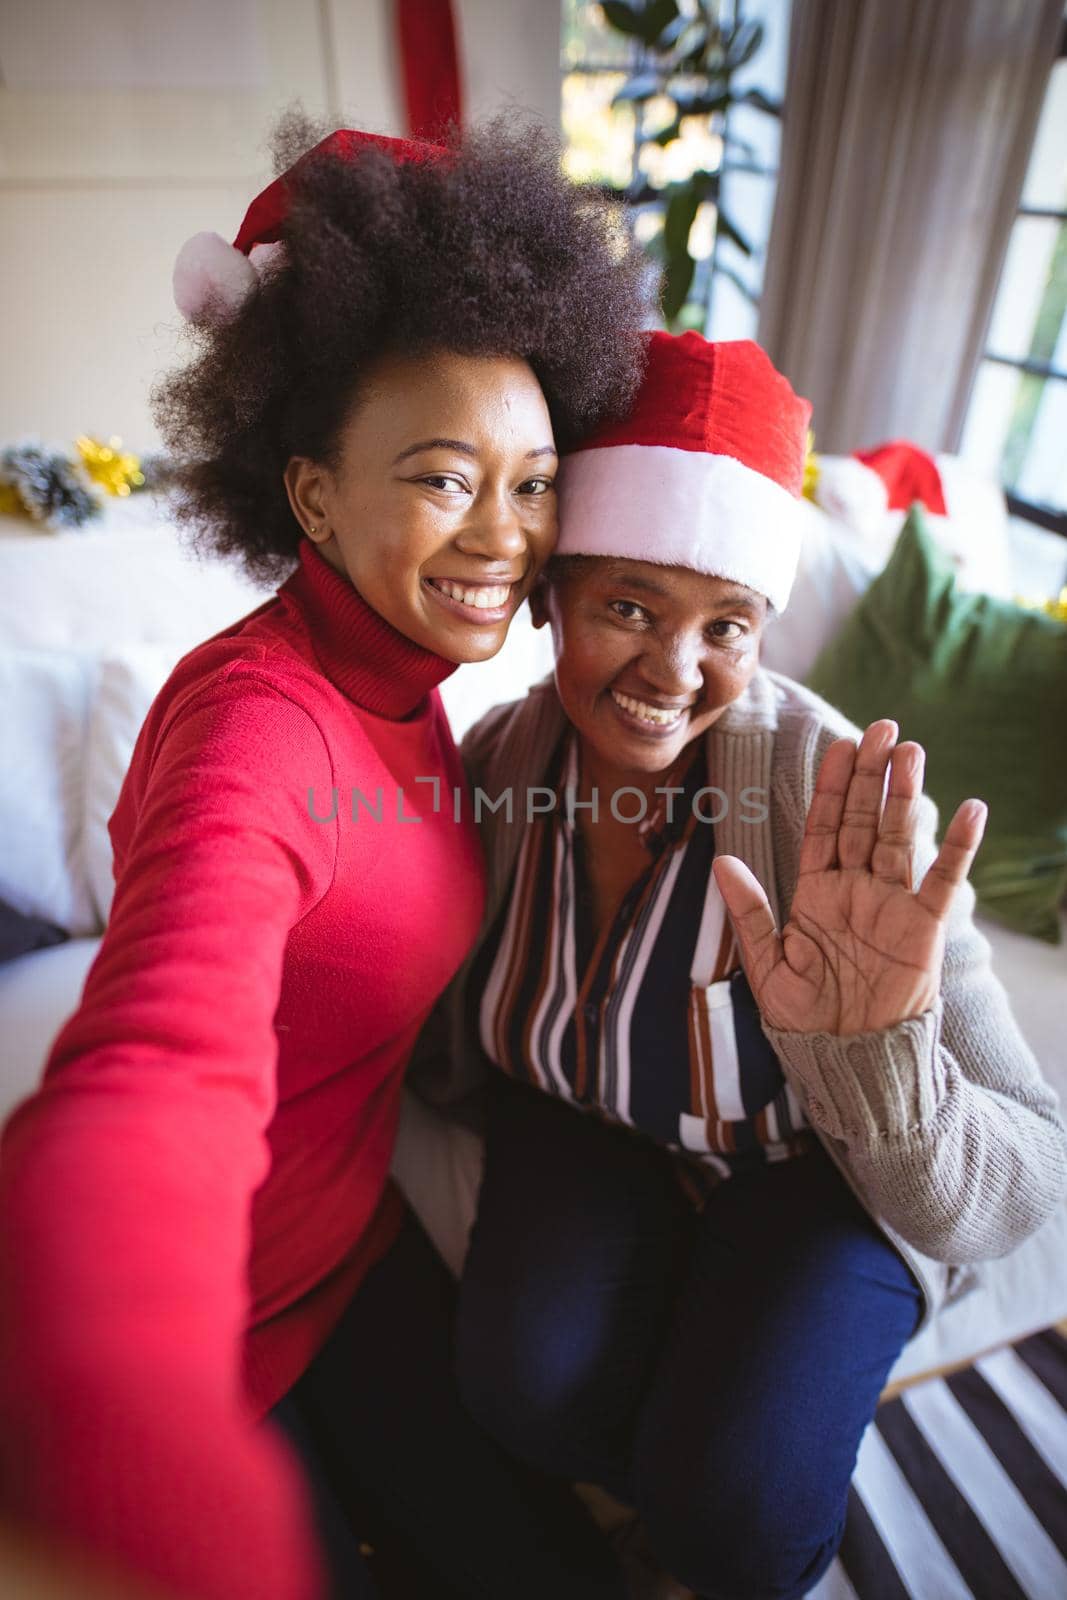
<point>715,1369</point>
<point>395,1462</point>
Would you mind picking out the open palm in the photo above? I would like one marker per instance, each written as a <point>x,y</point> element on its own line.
<point>862,949</point>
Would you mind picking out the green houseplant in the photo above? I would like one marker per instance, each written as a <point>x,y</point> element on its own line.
<point>689,56</point>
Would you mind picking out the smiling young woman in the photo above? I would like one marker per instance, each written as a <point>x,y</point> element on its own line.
<point>225,1341</point>
<point>443,536</point>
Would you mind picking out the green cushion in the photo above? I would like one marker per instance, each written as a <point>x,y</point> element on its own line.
<point>981,684</point>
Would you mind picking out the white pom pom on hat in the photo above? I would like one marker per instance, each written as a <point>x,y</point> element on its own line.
<point>211,278</point>
<point>263,255</point>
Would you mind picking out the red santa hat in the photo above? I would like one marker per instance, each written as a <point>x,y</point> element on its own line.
<point>870,492</point>
<point>706,472</point>
<point>212,278</point>
<point>861,489</point>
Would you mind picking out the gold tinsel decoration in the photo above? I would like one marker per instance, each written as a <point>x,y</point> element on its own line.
<point>811,468</point>
<point>116,471</point>
<point>1057,609</point>
<point>11,503</point>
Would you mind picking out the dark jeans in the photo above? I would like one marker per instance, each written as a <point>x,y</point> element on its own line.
<point>394,1460</point>
<point>714,1369</point>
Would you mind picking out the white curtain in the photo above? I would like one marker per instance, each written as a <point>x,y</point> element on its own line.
<point>908,125</point>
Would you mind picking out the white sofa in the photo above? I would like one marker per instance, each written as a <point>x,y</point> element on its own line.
<point>91,623</point>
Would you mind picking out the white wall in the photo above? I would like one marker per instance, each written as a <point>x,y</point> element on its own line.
<point>511,54</point>
<point>127,125</point>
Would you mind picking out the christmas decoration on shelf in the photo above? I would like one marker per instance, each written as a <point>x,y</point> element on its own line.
<point>108,465</point>
<point>45,486</point>
<point>57,491</point>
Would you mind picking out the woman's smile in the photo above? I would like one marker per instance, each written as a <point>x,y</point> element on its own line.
<point>477,603</point>
<point>651,721</point>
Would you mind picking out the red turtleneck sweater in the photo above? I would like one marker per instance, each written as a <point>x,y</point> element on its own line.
<point>195,1192</point>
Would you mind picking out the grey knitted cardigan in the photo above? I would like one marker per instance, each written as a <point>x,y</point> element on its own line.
<point>943,1125</point>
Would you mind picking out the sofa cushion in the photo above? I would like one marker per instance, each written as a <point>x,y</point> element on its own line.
<point>129,578</point>
<point>836,566</point>
<point>848,536</point>
<point>46,697</point>
<point>128,681</point>
<point>982,685</point>
<point>20,933</point>
<point>970,526</point>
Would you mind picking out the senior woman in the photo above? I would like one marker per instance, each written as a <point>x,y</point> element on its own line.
<point>209,1286</point>
<point>760,1103</point>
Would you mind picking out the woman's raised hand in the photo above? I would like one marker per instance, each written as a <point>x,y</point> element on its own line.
<point>862,949</point>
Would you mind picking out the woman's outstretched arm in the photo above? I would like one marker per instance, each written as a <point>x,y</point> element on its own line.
<point>126,1180</point>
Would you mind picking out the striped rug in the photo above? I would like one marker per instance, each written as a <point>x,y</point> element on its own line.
<point>960,1490</point>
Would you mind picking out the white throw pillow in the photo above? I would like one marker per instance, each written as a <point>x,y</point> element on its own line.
<point>128,682</point>
<point>835,567</point>
<point>849,536</point>
<point>45,702</point>
<point>129,578</point>
<point>973,532</point>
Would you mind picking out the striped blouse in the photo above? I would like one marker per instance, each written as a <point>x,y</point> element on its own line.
<point>652,1025</point>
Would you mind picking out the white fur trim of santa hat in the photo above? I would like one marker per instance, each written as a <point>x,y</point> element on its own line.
<point>851,492</point>
<point>212,279</point>
<point>684,508</point>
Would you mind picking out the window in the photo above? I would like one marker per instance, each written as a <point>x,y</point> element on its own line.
<point>1016,423</point>
<point>616,147</point>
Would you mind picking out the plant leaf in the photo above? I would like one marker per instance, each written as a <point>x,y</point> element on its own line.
<point>681,212</point>
<point>693,57</point>
<point>661,15</point>
<point>723,271</point>
<point>729,231</point>
<point>676,283</point>
<point>742,44</point>
<point>668,134</point>
<point>714,55</point>
<point>644,22</point>
<point>642,86</point>
<point>622,17</point>
<point>701,102</point>
<point>687,37</point>
<point>757,98</point>
<point>705,184</point>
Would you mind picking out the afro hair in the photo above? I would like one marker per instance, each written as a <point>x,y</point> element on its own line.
<point>494,252</point>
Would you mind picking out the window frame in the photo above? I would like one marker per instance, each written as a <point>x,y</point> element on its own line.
<point>1040,516</point>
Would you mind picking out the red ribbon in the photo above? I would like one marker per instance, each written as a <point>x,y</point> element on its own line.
<point>429,64</point>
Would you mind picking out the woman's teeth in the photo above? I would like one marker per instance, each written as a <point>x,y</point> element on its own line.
<point>658,717</point>
<point>485,599</point>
